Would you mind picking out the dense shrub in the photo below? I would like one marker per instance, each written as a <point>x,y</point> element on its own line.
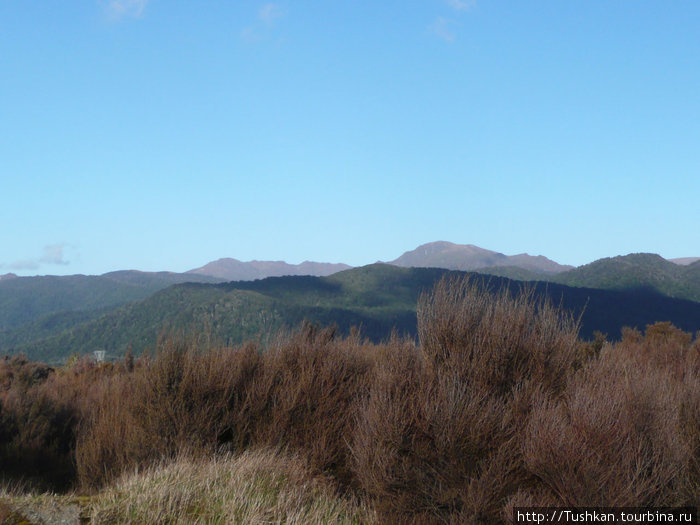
<point>178,401</point>
<point>499,405</point>
<point>298,394</point>
<point>40,408</point>
<point>437,439</point>
<point>626,433</point>
<point>303,397</point>
<point>497,340</point>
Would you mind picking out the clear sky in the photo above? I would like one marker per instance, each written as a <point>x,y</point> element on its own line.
<point>163,134</point>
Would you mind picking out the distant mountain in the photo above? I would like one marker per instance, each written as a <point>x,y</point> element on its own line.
<point>157,280</point>
<point>637,271</point>
<point>467,257</point>
<point>27,299</point>
<point>51,317</point>
<point>234,270</point>
<point>684,261</point>
<point>378,297</point>
<point>7,276</point>
<point>441,254</point>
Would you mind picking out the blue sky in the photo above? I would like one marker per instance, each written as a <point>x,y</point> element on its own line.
<point>160,135</point>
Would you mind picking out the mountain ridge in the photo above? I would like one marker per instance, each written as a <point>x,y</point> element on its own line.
<point>469,257</point>
<point>684,261</point>
<point>43,307</point>
<point>379,298</point>
<point>637,271</point>
<point>232,269</point>
<point>26,299</point>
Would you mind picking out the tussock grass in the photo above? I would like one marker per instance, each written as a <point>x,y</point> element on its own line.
<point>256,487</point>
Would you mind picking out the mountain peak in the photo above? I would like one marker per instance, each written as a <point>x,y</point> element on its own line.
<point>467,257</point>
<point>234,270</point>
<point>685,261</point>
<point>641,258</point>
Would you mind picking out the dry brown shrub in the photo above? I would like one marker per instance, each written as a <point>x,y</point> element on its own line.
<point>303,397</point>
<point>531,497</point>
<point>176,402</point>
<point>40,408</point>
<point>437,439</point>
<point>626,433</point>
<point>498,340</point>
<point>109,438</point>
<point>299,394</point>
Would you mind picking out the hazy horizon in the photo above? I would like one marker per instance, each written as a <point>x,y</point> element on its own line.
<point>151,135</point>
<point>678,260</point>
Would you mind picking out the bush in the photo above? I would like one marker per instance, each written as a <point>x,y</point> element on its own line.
<point>299,394</point>
<point>437,439</point>
<point>40,408</point>
<point>177,402</point>
<point>626,433</point>
<point>304,395</point>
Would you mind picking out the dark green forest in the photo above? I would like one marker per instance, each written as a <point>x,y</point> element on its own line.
<point>379,299</point>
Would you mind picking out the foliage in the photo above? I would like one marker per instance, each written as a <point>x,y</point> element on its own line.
<point>639,271</point>
<point>378,298</point>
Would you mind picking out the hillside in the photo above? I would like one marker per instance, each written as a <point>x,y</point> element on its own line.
<point>639,271</point>
<point>467,257</point>
<point>237,311</point>
<point>377,297</point>
<point>27,299</point>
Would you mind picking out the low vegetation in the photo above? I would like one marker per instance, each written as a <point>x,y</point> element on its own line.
<point>500,404</point>
<point>253,487</point>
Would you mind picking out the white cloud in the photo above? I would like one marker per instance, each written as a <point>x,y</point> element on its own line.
<point>262,28</point>
<point>24,265</point>
<point>461,5</point>
<point>125,8</point>
<point>269,13</point>
<point>250,35</point>
<point>442,29</point>
<point>53,254</point>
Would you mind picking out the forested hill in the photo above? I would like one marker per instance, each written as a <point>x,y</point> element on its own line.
<point>378,298</point>
<point>638,271</point>
<point>27,299</point>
